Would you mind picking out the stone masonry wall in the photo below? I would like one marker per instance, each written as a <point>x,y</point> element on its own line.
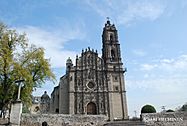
<point>63,120</point>
<point>165,119</point>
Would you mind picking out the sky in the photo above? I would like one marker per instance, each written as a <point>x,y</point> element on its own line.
<point>152,34</point>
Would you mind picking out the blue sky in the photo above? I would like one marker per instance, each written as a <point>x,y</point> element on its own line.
<point>152,34</point>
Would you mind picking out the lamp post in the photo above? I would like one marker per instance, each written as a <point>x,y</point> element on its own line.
<point>19,88</point>
<point>135,113</point>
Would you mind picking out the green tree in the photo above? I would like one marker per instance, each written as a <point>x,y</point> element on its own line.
<point>18,61</point>
<point>148,109</point>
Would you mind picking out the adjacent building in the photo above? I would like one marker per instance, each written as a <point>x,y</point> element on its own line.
<point>94,85</point>
<point>40,104</point>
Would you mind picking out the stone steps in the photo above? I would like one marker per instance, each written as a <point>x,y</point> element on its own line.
<point>125,123</point>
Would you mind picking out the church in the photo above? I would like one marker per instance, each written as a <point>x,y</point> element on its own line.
<point>94,85</point>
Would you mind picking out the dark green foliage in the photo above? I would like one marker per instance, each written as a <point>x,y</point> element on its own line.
<point>183,108</point>
<point>169,110</point>
<point>148,109</point>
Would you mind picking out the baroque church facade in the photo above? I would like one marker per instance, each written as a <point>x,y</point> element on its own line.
<point>94,85</point>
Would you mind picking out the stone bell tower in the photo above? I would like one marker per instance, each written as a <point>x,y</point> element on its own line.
<point>114,73</point>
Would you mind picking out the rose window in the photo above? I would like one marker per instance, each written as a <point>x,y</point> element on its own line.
<point>91,85</point>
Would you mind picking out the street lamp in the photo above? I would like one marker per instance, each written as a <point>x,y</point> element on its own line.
<point>19,89</point>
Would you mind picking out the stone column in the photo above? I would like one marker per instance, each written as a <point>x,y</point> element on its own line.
<point>15,114</point>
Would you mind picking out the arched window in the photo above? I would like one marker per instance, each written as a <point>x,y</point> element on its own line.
<point>111,37</point>
<point>112,54</point>
<point>114,68</point>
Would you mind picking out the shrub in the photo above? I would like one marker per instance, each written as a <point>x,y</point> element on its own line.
<point>148,109</point>
<point>169,110</point>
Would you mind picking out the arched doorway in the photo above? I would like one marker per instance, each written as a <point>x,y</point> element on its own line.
<point>91,109</point>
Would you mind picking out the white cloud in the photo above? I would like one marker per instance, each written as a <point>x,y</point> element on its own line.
<point>146,75</point>
<point>167,91</point>
<point>161,85</point>
<point>167,60</point>
<point>164,81</point>
<point>128,12</point>
<point>165,76</point>
<point>147,67</point>
<point>139,52</point>
<point>141,10</point>
<point>53,41</point>
<point>178,65</point>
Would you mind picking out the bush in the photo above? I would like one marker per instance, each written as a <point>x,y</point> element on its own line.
<point>169,110</point>
<point>25,109</point>
<point>148,109</point>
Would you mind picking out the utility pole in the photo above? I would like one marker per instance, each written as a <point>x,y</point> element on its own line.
<point>135,113</point>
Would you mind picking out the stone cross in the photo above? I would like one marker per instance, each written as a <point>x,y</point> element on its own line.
<point>19,89</point>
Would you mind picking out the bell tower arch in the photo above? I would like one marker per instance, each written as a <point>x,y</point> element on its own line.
<point>111,46</point>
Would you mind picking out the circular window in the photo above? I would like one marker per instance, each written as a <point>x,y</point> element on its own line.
<point>91,85</point>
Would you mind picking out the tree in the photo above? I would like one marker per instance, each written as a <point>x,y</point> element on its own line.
<point>148,109</point>
<point>183,108</point>
<point>18,60</point>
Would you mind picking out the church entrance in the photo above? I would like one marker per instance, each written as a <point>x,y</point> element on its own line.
<point>91,109</point>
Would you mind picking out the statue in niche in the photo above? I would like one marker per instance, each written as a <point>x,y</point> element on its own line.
<point>89,73</point>
<point>88,60</point>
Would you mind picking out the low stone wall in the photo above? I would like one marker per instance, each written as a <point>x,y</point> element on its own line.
<point>165,119</point>
<point>63,120</point>
<point>153,119</point>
